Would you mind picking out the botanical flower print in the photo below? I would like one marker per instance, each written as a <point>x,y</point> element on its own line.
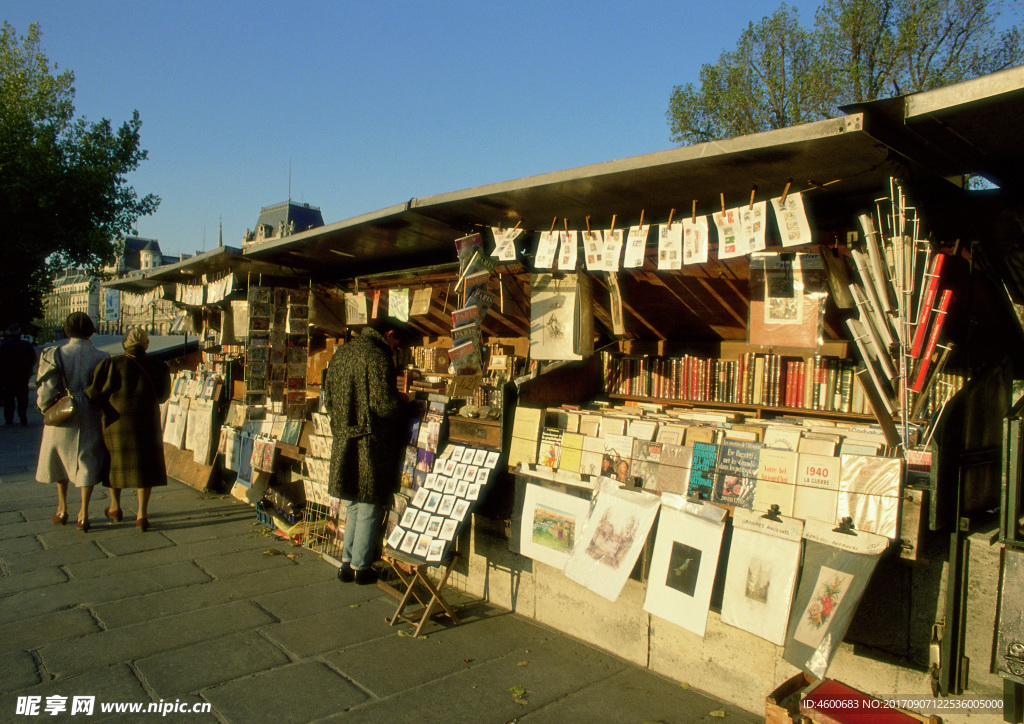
<point>829,591</point>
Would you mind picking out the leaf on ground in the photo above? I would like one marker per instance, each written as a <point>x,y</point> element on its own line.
<point>403,632</point>
<point>271,552</point>
<point>520,700</point>
<point>293,556</point>
<point>353,605</point>
<point>516,690</point>
<point>684,685</point>
<point>523,663</point>
<point>717,713</point>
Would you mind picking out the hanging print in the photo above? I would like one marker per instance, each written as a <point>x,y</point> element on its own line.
<point>670,246</point>
<point>695,240</point>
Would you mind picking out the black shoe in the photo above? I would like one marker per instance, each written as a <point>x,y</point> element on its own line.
<point>346,574</point>
<point>366,576</point>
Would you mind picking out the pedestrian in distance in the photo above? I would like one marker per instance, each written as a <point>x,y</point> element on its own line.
<point>72,452</point>
<point>17,359</point>
<point>366,412</point>
<point>129,389</point>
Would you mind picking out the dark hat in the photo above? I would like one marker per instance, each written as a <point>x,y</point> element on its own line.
<point>80,325</point>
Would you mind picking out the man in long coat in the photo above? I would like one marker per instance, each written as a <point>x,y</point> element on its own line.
<point>365,409</point>
<point>17,358</point>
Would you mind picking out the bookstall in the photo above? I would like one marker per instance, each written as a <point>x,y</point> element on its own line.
<point>732,411</point>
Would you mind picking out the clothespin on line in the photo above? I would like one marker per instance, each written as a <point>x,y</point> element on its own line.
<point>588,223</point>
<point>641,217</point>
<point>612,229</point>
<point>785,193</point>
<point>671,213</point>
<point>693,212</point>
<point>721,197</point>
<point>752,192</point>
<point>553,222</point>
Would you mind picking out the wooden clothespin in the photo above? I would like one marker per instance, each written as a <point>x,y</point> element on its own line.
<point>517,224</point>
<point>693,212</point>
<point>785,193</point>
<point>588,223</point>
<point>553,222</point>
<point>671,213</point>
<point>566,222</point>
<point>641,217</point>
<point>721,196</point>
<point>613,223</point>
<point>753,191</point>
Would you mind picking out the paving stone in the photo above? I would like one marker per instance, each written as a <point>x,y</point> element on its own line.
<point>142,640</point>
<point>33,633</point>
<point>18,670</point>
<point>325,595</point>
<point>633,695</point>
<point>163,556</point>
<point>26,562</point>
<point>133,541</point>
<point>47,599</point>
<point>335,629</point>
<point>209,663</point>
<point>13,516</point>
<point>284,695</point>
<point>435,656</point>
<point>16,583</point>
<point>142,608</point>
<point>244,563</point>
<point>25,544</point>
<point>210,527</point>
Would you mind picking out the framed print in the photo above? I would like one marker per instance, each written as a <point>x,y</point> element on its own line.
<point>409,542</point>
<point>420,524</point>
<point>456,453</point>
<point>450,485</point>
<point>481,476</point>
<point>420,497</point>
<point>683,566</point>
<point>612,539</point>
<point>433,501</point>
<point>550,524</point>
<point>420,550</point>
<point>408,518</point>
<point>460,471</point>
<point>449,467</point>
<point>435,550</point>
<point>396,537</point>
<point>471,471</point>
<point>448,529</point>
<point>447,503</point>
<point>460,509</point>
<point>461,488</point>
<point>434,526</point>
<point>492,459</point>
<point>473,491</point>
<point>764,559</point>
<point>479,457</point>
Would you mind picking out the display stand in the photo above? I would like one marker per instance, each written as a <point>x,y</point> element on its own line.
<point>413,575</point>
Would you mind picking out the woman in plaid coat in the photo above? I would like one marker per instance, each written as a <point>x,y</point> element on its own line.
<point>130,389</point>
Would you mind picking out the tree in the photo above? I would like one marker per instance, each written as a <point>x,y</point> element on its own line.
<point>64,199</point>
<point>859,50</point>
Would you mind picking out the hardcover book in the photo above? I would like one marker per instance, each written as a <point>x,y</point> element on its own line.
<point>702,470</point>
<point>736,474</point>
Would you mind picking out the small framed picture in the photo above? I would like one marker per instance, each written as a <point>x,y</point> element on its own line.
<point>395,539</point>
<point>473,493</point>
<point>456,455</point>
<point>481,476</point>
<point>460,471</point>
<point>420,524</point>
<point>449,486</point>
<point>422,545</point>
<point>447,503</point>
<point>435,550</point>
<point>480,457</point>
<point>408,517</point>
<point>409,542</point>
<point>460,509</point>
<point>461,488</point>
<point>420,498</point>
<point>434,526</point>
<point>471,471</point>
<point>433,501</point>
<point>448,529</point>
<point>492,459</point>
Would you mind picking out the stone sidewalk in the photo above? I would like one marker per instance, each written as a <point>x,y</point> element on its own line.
<point>207,609</point>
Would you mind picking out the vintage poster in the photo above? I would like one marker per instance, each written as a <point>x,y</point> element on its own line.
<point>398,304</point>
<point>611,541</point>
<point>791,218</point>
<point>553,317</point>
<point>753,219</point>
<point>612,257</point>
<point>505,243</point>
<point>683,565</point>
<point>670,246</point>
<point>421,301</point>
<point>567,250</point>
<point>730,233</point>
<point>355,309</point>
<point>636,246</point>
<point>593,250</point>
<point>547,248</point>
<point>695,240</point>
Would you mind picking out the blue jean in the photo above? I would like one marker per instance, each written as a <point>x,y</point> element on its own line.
<point>363,529</point>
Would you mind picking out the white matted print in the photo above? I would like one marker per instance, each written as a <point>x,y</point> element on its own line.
<point>551,522</point>
<point>683,569</point>
<point>764,559</point>
<point>612,539</point>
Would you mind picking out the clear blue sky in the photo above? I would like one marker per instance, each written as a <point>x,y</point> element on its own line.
<point>372,103</point>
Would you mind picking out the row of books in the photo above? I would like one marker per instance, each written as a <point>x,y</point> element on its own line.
<point>819,383</point>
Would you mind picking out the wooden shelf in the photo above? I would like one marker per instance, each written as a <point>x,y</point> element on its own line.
<point>759,409</point>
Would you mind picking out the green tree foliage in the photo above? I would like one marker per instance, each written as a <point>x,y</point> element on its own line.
<point>782,74</point>
<point>64,199</point>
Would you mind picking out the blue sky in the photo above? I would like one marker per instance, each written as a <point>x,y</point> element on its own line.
<point>372,103</point>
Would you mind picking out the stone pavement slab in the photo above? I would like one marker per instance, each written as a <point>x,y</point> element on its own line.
<point>31,633</point>
<point>333,629</point>
<point>285,695</point>
<point>18,670</point>
<point>208,663</point>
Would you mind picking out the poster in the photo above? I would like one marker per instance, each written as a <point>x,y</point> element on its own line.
<point>730,234</point>
<point>421,301</point>
<point>670,246</point>
<point>505,243</point>
<point>553,317</point>
<point>567,250</point>
<point>753,218</point>
<point>593,250</point>
<point>355,308</point>
<point>398,304</point>
<point>683,564</point>
<point>764,560</point>
<point>636,246</point>
<point>612,257</point>
<point>551,523</point>
<point>611,541</point>
<point>791,218</point>
<point>695,240</point>
<point>547,249</point>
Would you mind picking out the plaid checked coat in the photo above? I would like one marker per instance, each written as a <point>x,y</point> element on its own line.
<point>364,409</point>
<point>130,388</point>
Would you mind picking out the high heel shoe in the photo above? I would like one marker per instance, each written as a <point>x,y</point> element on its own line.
<point>142,524</point>
<point>83,525</point>
<point>116,517</point>
<point>60,518</point>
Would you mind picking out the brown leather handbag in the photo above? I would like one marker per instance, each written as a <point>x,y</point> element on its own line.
<point>61,411</point>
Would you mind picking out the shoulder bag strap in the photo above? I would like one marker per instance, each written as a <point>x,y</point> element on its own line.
<point>59,364</point>
<point>143,370</point>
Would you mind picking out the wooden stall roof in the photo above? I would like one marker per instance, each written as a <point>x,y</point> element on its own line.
<point>842,165</point>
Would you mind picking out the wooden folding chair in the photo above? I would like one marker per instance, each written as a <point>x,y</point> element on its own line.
<point>414,577</point>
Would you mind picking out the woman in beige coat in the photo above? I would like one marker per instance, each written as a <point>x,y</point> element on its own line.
<point>73,452</point>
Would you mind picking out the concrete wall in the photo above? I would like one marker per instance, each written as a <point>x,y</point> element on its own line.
<point>727,662</point>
